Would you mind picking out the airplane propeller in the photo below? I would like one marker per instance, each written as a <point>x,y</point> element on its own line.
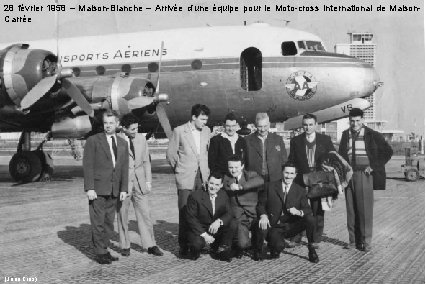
<point>60,75</point>
<point>160,110</point>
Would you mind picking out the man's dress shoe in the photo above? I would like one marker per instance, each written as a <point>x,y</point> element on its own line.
<point>155,251</point>
<point>194,254</point>
<point>125,252</point>
<point>313,257</point>
<point>103,259</point>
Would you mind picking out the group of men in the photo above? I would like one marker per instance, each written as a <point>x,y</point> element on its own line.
<point>234,193</point>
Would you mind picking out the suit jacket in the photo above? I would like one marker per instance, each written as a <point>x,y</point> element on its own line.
<point>199,211</point>
<point>379,152</point>
<point>272,203</point>
<point>276,155</point>
<point>244,201</point>
<point>139,164</point>
<point>99,172</point>
<point>298,151</point>
<point>182,156</point>
<point>220,150</point>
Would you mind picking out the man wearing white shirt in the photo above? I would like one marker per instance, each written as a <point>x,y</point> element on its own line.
<point>139,188</point>
<point>210,220</point>
<point>105,167</point>
<point>188,155</point>
<point>225,145</point>
<point>284,212</point>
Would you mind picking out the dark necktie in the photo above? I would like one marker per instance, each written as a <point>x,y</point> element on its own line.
<point>114,147</point>
<point>132,147</point>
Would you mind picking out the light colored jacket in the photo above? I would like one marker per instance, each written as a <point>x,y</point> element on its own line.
<point>182,156</point>
<point>140,165</point>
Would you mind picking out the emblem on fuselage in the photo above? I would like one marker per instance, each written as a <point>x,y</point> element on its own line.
<point>301,85</point>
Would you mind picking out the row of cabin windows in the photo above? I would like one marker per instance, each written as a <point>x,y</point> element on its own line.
<point>250,63</point>
<point>152,67</point>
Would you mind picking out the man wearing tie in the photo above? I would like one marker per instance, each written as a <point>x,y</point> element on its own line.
<point>266,151</point>
<point>139,188</point>
<point>284,212</point>
<point>210,220</point>
<point>242,187</point>
<point>106,167</point>
<point>188,155</point>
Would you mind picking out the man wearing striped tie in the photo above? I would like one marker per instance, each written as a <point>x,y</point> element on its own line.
<point>367,152</point>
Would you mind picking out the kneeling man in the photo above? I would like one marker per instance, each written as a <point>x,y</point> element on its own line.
<point>284,212</point>
<point>242,187</point>
<point>210,219</point>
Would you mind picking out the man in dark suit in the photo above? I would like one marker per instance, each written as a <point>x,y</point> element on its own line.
<point>242,187</point>
<point>284,211</point>
<point>210,220</point>
<point>266,151</point>
<point>306,151</point>
<point>367,152</point>
<point>106,167</point>
<point>226,144</point>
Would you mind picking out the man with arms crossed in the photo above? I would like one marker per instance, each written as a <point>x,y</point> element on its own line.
<point>106,167</point>
<point>139,187</point>
<point>188,155</point>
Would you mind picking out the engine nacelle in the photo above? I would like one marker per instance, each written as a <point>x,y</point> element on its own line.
<point>22,69</point>
<point>113,92</point>
<point>72,127</point>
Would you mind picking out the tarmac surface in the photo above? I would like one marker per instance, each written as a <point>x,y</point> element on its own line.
<point>45,236</point>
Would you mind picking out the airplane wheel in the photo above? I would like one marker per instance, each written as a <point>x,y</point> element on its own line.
<point>412,175</point>
<point>25,167</point>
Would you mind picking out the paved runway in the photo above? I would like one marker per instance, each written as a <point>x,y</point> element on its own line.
<point>45,234</point>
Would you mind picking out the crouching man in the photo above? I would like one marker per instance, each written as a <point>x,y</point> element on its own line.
<point>210,220</point>
<point>242,187</point>
<point>284,212</point>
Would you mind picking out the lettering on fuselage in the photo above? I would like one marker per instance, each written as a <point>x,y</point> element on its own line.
<point>118,54</point>
<point>301,85</point>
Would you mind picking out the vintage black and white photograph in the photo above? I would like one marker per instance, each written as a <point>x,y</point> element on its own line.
<point>212,141</point>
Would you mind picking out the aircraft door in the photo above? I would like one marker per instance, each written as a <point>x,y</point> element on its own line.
<point>251,69</point>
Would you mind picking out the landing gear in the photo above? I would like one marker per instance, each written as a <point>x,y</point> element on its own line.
<point>30,166</point>
<point>25,166</point>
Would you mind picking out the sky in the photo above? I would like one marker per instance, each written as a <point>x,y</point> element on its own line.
<point>399,36</point>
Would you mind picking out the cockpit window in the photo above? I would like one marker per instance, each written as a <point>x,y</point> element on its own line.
<point>301,44</point>
<point>288,48</point>
<point>311,45</point>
